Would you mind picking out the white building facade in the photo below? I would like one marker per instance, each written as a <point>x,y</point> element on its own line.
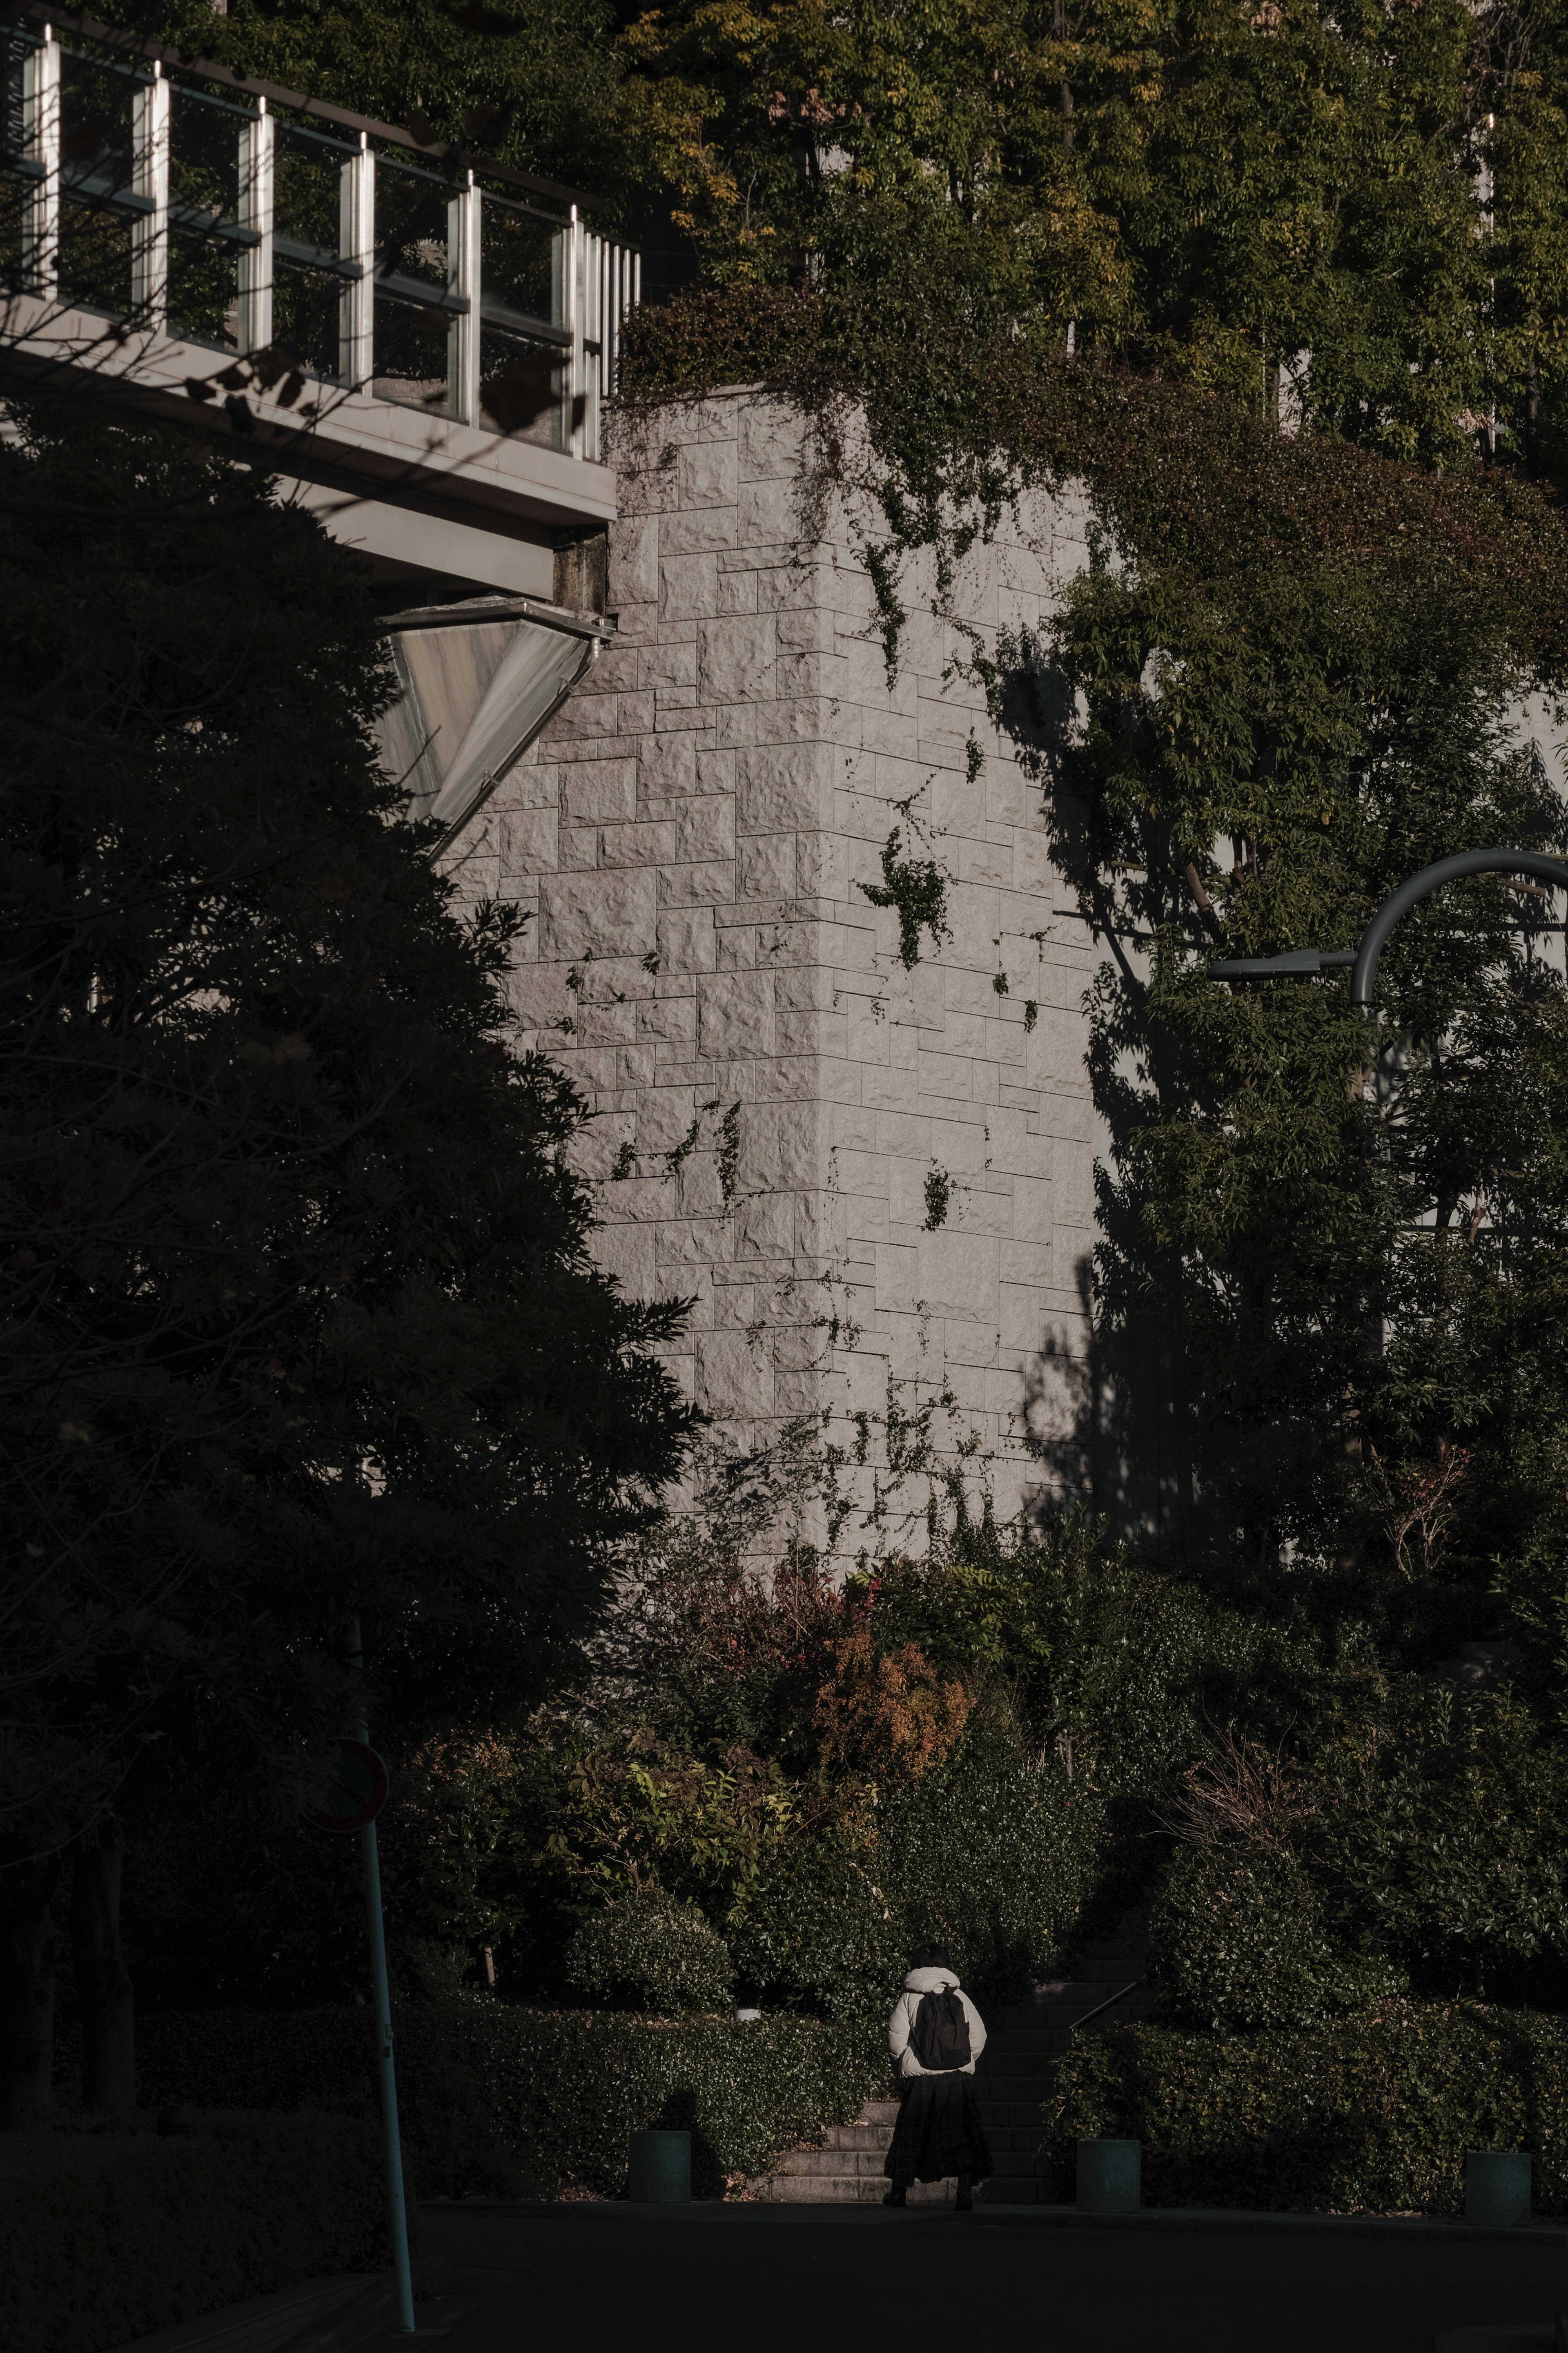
<point>873,1179</point>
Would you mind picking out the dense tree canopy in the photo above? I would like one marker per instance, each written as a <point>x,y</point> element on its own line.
<point>300,1322</point>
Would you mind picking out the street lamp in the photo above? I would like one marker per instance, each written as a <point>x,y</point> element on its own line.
<point>1307,964</point>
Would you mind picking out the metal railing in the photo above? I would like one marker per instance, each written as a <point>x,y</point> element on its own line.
<point>235,223</point>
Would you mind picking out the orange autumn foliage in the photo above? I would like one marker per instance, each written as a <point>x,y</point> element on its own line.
<point>890,1715</point>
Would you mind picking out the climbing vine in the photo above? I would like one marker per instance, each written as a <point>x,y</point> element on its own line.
<point>938,1197</point>
<point>917,889</point>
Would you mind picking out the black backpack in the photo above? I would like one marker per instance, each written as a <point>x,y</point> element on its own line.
<point>939,2035</point>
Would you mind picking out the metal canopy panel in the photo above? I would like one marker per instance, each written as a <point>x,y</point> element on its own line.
<point>474,695</point>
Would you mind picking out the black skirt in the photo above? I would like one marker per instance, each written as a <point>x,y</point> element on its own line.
<point>938,2131</point>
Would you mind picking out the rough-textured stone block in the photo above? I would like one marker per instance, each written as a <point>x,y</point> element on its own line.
<point>782,788</point>
<point>605,913</point>
<point>707,474</point>
<point>733,1377</point>
<point>596,791</point>
<point>666,765</point>
<point>736,661</point>
<point>705,829</point>
<point>528,840</point>
<point>735,1014</point>
<point>634,560</point>
<point>766,866</point>
<point>771,436</point>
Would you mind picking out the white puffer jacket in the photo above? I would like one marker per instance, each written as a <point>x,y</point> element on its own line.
<point>918,1983</point>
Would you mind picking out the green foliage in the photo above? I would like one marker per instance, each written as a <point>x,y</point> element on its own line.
<point>495,2100</point>
<point>1411,1835</point>
<point>938,1195</point>
<point>1112,1664</point>
<point>707,1655</point>
<point>647,1954</point>
<point>107,2236</point>
<point>917,888</point>
<point>1370,2113</point>
<point>1239,1944</point>
<point>533,87</point>
<point>1438,1836</point>
<point>1292,207</point>
<point>709,336</point>
<point>818,1934</point>
<point>996,1857</point>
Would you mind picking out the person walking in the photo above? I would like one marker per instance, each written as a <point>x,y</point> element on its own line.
<point>935,2036</point>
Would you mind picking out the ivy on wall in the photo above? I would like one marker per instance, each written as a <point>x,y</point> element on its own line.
<point>1289,674</point>
<point>917,889</point>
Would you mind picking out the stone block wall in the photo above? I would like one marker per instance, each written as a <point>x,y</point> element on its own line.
<point>874,1183</point>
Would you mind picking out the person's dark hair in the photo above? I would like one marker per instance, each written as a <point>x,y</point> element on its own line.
<point>929,1956</point>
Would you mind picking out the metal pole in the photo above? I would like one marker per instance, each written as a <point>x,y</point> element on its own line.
<point>1397,905</point>
<point>397,2204</point>
<point>1309,963</point>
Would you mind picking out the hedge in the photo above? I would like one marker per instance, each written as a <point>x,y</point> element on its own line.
<point>496,2102</point>
<point>107,2235</point>
<point>1365,2114</point>
<point>649,1954</point>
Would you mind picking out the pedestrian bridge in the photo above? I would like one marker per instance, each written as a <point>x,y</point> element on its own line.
<point>415,341</point>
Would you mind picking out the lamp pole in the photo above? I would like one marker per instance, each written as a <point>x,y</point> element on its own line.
<point>1308,963</point>
<point>371,1866</point>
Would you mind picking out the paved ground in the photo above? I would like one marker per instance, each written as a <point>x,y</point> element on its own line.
<point>604,2278</point>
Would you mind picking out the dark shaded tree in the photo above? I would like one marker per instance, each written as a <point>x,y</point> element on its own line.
<point>299,1318</point>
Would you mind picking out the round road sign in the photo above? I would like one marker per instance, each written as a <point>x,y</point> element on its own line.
<point>358,1790</point>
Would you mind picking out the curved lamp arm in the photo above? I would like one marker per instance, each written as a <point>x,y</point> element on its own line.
<point>1308,963</point>
<point>1431,878</point>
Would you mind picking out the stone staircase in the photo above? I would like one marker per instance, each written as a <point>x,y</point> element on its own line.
<point>1012,2080</point>
<point>846,2170</point>
<point>1023,2045</point>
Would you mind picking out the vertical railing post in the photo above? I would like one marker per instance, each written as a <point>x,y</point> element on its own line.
<point>465,220</point>
<point>256,213</point>
<point>574,306</point>
<point>356,243</point>
<point>41,141</point>
<point>624,293</point>
<point>623,282</point>
<point>560,256</point>
<point>593,340</point>
<point>149,180</point>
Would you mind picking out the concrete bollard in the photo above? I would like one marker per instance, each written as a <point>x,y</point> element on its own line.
<point>661,2169</point>
<point>1496,2187</point>
<point>1110,2175</point>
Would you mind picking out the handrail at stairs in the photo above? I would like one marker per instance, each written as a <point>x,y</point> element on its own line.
<point>1101,2007</point>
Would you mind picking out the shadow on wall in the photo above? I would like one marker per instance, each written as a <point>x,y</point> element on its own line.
<point>1112,1428</point>
<point>1129,1447</point>
<point>1173,1467</point>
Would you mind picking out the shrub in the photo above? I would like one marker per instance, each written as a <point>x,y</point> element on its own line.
<point>1370,2113</point>
<point>110,2236</point>
<point>888,1712</point>
<point>993,1856</point>
<point>649,1955</point>
<point>731,335</point>
<point>496,2101</point>
<point>1236,1940</point>
<point>819,1934</point>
